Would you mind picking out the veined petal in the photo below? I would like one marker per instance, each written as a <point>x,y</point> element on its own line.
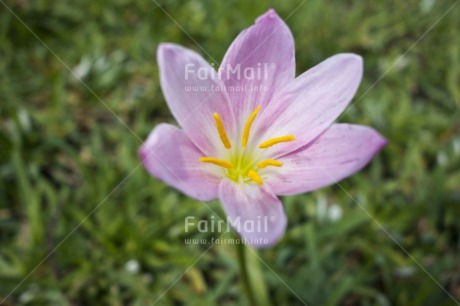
<point>169,155</point>
<point>194,93</point>
<point>255,212</point>
<point>338,153</point>
<point>311,103</point>
<point>265,51</point>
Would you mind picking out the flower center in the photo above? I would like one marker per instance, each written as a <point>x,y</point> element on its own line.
<point>243,166</point>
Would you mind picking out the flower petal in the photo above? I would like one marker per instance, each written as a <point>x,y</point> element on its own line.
<point>254,212</point>
<point>169,155</point>
<point>338,153</point>
<point>267,49</point>
<point>311,103</point>
<point>193,93</point>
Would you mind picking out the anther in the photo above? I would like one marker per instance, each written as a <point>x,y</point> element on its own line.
<point>216,161</point>
<point>255,177</point>
<point>269,162</point>
<point>222,132</point>
<point>247,127</point>
<point>274,141</point>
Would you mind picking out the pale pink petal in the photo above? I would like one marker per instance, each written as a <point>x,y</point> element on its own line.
<point>267,49</point>
<point>254,212</point>
<point>311,103</point>
<point>169,155</point>
<point>338,153</point>
<point>193,93</point>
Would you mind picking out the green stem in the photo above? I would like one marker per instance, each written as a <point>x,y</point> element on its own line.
<point>244,274</point>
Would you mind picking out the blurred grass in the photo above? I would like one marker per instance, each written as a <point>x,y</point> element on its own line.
<point>62,152</point>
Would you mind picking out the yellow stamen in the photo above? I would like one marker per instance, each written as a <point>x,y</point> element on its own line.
<point>216,161</point>
<point>221,130</point>
<point>255,177</point>
<point>276,140</point>
<point>247,127</point>
<point>269,162</point>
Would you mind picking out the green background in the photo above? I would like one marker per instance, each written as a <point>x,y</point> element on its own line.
<point>70,179</point>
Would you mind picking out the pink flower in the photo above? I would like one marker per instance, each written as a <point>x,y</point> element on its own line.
<point>247,137</point>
